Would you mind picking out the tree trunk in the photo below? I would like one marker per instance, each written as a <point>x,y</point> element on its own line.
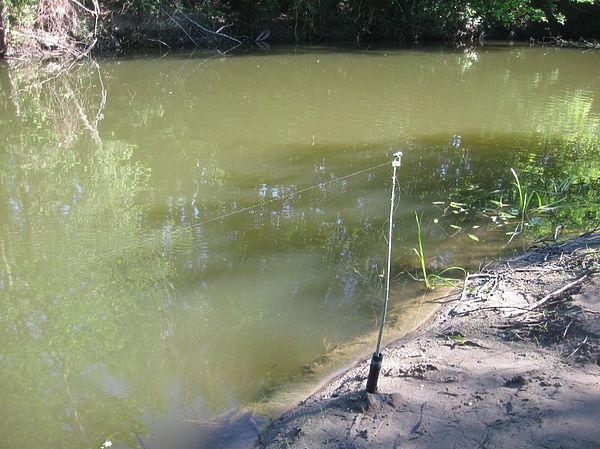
<point>3,28</point>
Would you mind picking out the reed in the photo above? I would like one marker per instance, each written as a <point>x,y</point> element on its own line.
<point>421,254</point>
<point>433,280</point>
<point>525,198</point>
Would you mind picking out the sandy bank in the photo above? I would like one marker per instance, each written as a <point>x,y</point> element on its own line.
<point>511,362</point>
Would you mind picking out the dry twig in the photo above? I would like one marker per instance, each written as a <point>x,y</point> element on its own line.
<point>578,347</point>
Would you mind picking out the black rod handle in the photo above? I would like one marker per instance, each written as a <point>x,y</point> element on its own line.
<point>374,370</point>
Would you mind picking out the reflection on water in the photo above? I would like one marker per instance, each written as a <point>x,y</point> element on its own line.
<point>181,245</point>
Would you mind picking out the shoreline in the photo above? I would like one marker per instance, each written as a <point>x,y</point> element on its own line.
<point>511,361</point>
<point>360,351</point>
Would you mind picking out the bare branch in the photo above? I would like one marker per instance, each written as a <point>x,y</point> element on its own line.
<point>160,42</point>
<point>206,30</point>
<point>179,25</point>
<point>84,7</point>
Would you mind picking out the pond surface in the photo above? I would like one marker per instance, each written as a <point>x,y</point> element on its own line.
<point>189,242</point>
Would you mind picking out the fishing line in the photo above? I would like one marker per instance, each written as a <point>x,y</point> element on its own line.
<point>284,197</point>
<point>183,229</point>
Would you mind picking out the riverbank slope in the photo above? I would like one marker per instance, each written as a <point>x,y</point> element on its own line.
<point>511,361</point>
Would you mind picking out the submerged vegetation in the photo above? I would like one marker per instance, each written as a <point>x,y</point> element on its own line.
<point>73,28</point>
<point>539,216</point>
<point>538,212</point>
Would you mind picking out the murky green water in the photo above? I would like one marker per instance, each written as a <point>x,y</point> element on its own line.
<point>181,236</point>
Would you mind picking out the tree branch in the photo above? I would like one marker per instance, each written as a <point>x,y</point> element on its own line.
<point>206,30</point>
<point>179,25</point>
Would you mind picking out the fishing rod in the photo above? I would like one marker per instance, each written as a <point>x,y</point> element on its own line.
<point>377,358</point>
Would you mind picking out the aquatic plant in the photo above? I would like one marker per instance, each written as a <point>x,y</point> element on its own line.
<point>433,280</point>
<point>525,198</point>
<point>524,205</point>
<point>420,253</point>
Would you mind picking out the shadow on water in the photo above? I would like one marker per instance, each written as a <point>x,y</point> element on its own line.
<point>234,429</point>
<point>375,49</point>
